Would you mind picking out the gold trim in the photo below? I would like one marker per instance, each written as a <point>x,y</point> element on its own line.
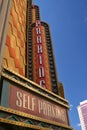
<point>36,91</point>
<point>22,124</point>
<point>22,114</point>
<point>35,84</point>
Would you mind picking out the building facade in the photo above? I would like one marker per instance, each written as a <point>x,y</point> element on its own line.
<point>82,111</point>
<point>31,97</point>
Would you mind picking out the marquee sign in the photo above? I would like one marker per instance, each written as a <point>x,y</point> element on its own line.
<point>32,103</point>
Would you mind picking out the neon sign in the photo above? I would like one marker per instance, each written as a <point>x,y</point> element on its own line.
<point>40,58</point>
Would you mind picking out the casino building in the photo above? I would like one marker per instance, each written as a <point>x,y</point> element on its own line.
<point>31,97</point>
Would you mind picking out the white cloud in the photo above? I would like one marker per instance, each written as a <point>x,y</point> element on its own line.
<point>79,125</point>
<point>85,20</point>
<point>71,106</point>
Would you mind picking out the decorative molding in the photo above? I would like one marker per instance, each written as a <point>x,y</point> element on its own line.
<point>28,84</point>
<point>15,117</point>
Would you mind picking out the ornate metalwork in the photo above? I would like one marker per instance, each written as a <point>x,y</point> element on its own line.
<point>20,119</point>
<point>12,76</point>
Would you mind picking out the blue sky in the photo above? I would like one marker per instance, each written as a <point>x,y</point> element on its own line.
<point>68,25</point>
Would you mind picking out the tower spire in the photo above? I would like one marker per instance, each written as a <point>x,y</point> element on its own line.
<point>32,3</point>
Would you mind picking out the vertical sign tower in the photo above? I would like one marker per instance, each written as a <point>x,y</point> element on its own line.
<point>40,58</point>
